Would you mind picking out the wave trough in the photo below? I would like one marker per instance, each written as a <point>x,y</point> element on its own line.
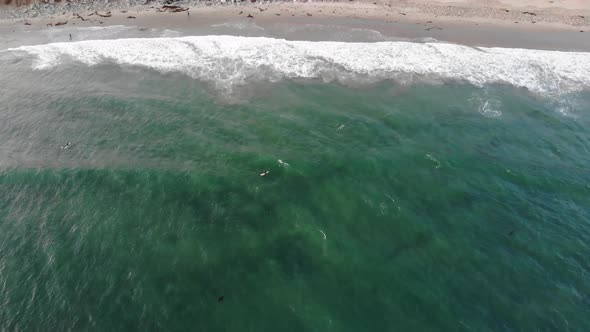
<point>231,60</point>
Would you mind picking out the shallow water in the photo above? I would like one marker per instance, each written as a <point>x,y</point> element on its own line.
<point>396,205</point>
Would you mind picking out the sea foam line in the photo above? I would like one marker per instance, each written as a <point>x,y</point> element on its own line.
<point>230,60</point>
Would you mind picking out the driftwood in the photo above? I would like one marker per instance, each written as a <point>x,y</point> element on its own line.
<point>80,17</point>
<point>172,9</point>
<point>107,14</point>
<point>61,23</point>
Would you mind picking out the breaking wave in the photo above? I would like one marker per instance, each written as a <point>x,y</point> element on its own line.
<point>229,60</point>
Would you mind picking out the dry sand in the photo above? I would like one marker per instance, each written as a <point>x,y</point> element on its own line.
<point>547,24</point>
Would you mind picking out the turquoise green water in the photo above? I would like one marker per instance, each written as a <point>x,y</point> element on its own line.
<point>416,208</point>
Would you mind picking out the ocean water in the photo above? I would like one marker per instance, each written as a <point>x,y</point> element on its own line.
<point>410,186</point>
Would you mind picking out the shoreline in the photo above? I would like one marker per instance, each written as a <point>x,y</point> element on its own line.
<point>475,23</point>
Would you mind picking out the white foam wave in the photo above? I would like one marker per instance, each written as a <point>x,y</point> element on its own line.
<point>230,60</point>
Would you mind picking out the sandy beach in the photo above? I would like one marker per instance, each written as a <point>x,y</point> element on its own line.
<point>553,24</point>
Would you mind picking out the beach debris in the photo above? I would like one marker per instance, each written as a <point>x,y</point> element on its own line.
<point>506,10</point>
<point>107,14</point>
<point>308,14</point>
<point>123,11</point>
<point>529,13</point>
<point>261,9</point>
<point>27,23</point>
<point>580,16</point>
<point>250,16</point>
<point>240,13</point>
<point>131,17</point>
<point>278,14</point>
<point>90,14</point>
<point>432,28</point>
<point>428,22</point>
<point>142,29</point>
<point>402,14</point>
<point>581,30</point>
<point>282,163</point>
<point>49,24</point>
<point>61,23</point>
<point>67,146</point>
<point>265,173</point>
